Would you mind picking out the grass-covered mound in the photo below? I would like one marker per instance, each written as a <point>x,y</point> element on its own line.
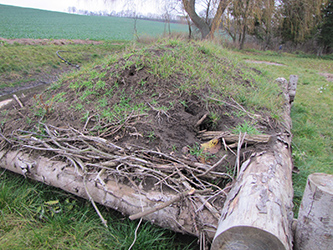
<point>154,97</point>
<point>139,116</point>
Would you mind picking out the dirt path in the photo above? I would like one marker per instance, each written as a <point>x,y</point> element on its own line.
<point>265,62</point>
<point>29,41</point>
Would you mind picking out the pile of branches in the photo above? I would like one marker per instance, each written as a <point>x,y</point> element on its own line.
<point>131,165</point>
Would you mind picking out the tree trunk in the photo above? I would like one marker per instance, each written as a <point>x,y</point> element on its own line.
<point>204,28</point>
<point>258,211</point>
<point>314,229</point>
<point>121,197</point>
<point>189,27</point>
<point>242,41</point>
<point>218,17</point>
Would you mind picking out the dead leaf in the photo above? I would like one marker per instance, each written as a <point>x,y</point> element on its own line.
<point>213,146</point>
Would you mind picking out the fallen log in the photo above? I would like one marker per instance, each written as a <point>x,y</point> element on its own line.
<point>314,228</point>
<point>125,198</point>
<point>257,213</point>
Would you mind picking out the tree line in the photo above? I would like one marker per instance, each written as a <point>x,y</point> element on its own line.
<point>295,23</point>
<point>292,24</point>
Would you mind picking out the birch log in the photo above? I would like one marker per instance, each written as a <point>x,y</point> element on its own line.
<point>258,211</point>
<point>314,229</point>
<point>112,194</point>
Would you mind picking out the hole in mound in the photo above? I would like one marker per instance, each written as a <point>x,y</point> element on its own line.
<point>191,109</point>
<point>193,105</point>
<point>132,70</point>
<point>207,124</point>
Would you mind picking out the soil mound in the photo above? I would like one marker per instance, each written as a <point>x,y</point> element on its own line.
<point>145,117</point>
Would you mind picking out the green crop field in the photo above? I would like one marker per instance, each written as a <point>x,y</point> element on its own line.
<point>16,22</point>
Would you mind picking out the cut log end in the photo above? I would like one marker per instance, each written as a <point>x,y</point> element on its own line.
<point>314,224</point>
<point>323,182</point>
<point>245,237</point>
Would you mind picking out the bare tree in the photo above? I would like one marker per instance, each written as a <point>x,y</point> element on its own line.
<point>256,17</point>
<point>207,30</point>
<point>168,9</point>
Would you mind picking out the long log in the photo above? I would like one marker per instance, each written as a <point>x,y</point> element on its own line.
<point>314,229</point>
<point>112,193</point>
<point>258,213</point>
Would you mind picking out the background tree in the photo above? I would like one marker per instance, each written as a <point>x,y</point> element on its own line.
<point>169,9</point>
<point>206,28</point>
<point>244,14</point>
<point>301,19</point>
<point>267,23</point>
<point>325,38</point>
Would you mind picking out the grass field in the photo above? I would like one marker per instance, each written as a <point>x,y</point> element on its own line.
<point>18,22</point>
<point>35,216</point>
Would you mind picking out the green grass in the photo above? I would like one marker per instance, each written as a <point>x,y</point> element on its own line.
<point>29,63</point>
<point>19,22</point>
<point>36,216</point>
<point>213,68</point>
<point>311,113</point>
<point>245,127</point>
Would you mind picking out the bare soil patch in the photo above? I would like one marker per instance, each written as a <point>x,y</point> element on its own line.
<point>265,62</point>
<point>329,77</point>
<point>36,84</point>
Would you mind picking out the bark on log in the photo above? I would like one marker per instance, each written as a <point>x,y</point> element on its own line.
<point>314,229</point>
<point>113,194</point>
<point>258,211</point>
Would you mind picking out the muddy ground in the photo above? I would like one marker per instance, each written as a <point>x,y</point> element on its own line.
<point>37,80</point>
<point>29,41</point>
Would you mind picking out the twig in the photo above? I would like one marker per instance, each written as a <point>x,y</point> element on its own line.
<point>246,112</point>
<point>211,209</point>
<point>18,100</point>
<point>7,140</point>
<point>161,206</point>
<point>201,120</point>
<point>215,165</point>
<point>211,197</point>
<point>218,100</point>
<point>104,222</point>
<point>3,172</point>
<point>87,121</point>
<point>239,107</point>
<point>159,111</point>
<point>239,146</point>
<point>135,234</point>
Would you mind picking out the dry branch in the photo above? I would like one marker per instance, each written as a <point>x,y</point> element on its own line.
<point>164,205</point>
<point>18,101</point>
<point>126,179</point>
<point>232,138</point>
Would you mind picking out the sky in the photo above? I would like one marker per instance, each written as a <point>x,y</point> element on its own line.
<point>144,7</point>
